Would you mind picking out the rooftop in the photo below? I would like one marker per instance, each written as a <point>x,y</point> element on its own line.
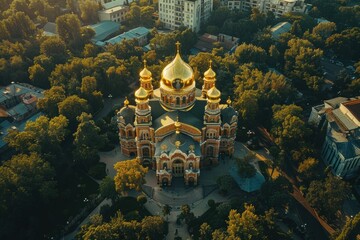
<point>132,34</point>
<point>104,29</point>
<point>354,107</point>
<point>279,29</point>
<point>113,9</point>
<point>115,3</point>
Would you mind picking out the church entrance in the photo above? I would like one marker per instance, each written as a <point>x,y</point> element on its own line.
<point>178,168</point>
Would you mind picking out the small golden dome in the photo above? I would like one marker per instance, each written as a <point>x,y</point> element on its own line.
<point>213,93</point>
<point>145,73</point>
<point>177,69</point>
<point>228,101</point>
<point>210,72</point>
<point>126,102</point>
<point>141,93</point>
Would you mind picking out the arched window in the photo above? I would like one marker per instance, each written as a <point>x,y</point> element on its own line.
<point>191,165</point>
<point>184,100</point>
<point>165,165</point>
<point>129,133</point>
<point>146,152</point>
<point>177,101</point>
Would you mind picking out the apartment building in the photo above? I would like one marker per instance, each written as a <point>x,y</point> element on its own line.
<point>278,7</point>
<point>191,14</point>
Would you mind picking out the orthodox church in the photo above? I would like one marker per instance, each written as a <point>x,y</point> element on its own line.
<point>177,128</point>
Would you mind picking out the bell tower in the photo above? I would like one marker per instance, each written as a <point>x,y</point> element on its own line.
<point>209,80</point>
<point>146,80</point>
<point>212,122</point>
<point>143,121</point>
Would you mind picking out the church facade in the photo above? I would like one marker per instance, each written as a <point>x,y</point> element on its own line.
<point>177,128</point>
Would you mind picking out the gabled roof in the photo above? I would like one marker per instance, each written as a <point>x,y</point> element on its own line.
<point>104,29</point>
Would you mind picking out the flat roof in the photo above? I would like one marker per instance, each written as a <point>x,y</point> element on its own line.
<point>354,107</point>
<point>113,9</point>
<point>343,120</point>
<point>133,33</point>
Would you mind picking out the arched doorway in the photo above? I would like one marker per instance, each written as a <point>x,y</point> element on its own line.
<point>178,168</point>
<point>191,181</point>
<point>210,151</point>
<point>165,182</point>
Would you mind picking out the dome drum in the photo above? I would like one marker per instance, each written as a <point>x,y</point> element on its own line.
<point>178,100</point>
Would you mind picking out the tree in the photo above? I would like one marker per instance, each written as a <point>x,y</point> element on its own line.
<point>302,62</point>
<point>166,209</point>
<point>133,17</point>
<point>27,188</point>
<point>18,26</point>
<point>327,196</point>
<point>129,175</point>
<point>49,103</point>
<point>186,214</point>
<point>55,48</point>
<point>205,231</point>
<point>72,107</point>
<point>152,227</point>
<point>308,168</point>
<point>287,126</point>
<point>87,140</point>
<point>226,183</point>
<point>68,27</point>
<point>141,199</point>
<point>88,10</point>
<point>324,29</point>
<point>248,53</point>
<point>244,225</point>
<point>351,230</point>
<point>38,76</point>
<point>245,169</point>
<point>88,86</point>
<point>42,136</point>
<point>247,105</point>
<point>107,189</point>
<point>345,44</point>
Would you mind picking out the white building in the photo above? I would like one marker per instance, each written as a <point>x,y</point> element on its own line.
<point>278,7</point>
<point>191,14</point>
<point>341,149</point>
<point>115,14</point>
<point>107,3</point>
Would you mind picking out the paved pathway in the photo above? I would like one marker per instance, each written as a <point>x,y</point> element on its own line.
<point>72,235</point>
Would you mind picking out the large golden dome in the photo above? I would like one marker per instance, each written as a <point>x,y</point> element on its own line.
<point>178,73</point>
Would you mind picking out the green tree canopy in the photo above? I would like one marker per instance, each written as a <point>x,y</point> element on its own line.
<point>42,136</point>
<point>328,196</point>
<point>27,186</point>
<point>129,175</point>
<point>72,107</point>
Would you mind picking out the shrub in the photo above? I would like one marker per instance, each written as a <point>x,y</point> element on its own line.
<point>97,171</point>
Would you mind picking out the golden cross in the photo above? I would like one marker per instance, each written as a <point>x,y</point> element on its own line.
<point>210,63</point>
<point>144,63</point>
<point>178,46</point>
